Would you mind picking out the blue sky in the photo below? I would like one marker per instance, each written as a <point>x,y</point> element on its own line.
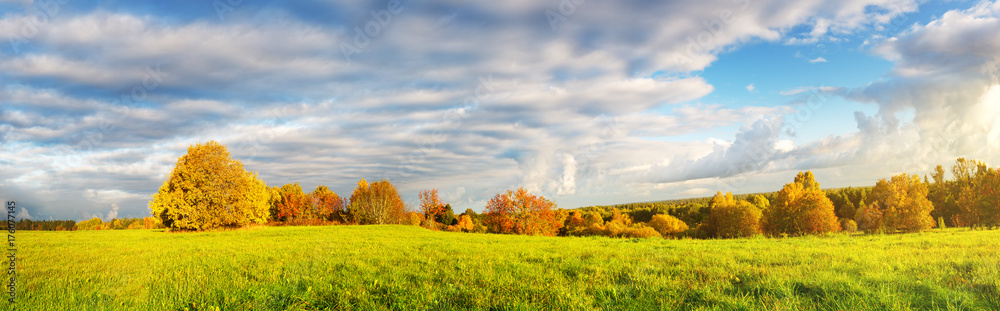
<point>584,102</point>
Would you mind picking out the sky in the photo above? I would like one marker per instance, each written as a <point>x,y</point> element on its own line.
<point>586,102</point>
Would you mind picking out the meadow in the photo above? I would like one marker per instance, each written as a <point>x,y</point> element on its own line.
<point>411,268</point>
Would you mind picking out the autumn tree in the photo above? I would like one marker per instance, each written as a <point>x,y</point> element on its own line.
<point>291,203</point>
<point>376,203</point>
<point>800,208</point>
<point>430,203</point>
<point>979,199</point>
<point>446,216</point>
<point>208,189</point>
<point>667,225</point>
<point>902,202</point>
<point>731,218</point>
<point>327,204</point>
<point>520,212</point>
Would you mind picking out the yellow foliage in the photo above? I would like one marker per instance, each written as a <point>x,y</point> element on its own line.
<point>208,189</point>
<point>667,225</point>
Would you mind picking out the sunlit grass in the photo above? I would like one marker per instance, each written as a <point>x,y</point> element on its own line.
<point>401,267</point>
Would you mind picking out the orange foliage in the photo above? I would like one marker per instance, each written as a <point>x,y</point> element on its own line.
<point>520,212</point>
<point>431,204</point>
<point>328,205</point>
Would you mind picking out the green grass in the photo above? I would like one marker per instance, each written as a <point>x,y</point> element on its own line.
<point>408,268</point>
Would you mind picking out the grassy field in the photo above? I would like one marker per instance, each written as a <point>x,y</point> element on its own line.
<point>400,267</point>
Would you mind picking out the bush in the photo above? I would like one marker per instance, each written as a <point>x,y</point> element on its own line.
<point>415,218</point>
<point>667,225</point>
<point>848,225</point>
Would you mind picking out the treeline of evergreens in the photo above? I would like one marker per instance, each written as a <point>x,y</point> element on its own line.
<point>91,224</point>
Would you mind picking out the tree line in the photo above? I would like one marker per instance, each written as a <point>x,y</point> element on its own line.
<point>91,224</point>
<point>208,189</point>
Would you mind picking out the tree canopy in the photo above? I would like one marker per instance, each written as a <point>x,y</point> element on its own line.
<point>208,189</point>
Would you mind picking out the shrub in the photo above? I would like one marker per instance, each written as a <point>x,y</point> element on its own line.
<point>848,225</point>
<point>667,225</point>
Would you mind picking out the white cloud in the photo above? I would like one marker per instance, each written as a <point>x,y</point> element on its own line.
<point>817,60</point>
<point>23,214</point>
<point>751,88</point>
<point>113,213</point>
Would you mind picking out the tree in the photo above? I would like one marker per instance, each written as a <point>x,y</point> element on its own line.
<point>732,218</point>
<point>292,203</point>
<point>208,189</point>
<point>903,203</point>
<point>979,200</point>
<point>328,206</point>
<point>377,203</point>
<point>430,203</point>
<point>800,208</point>
<point>520,212</point>
<point>667,225</point>
<point>446,216</point>
<point>464,224</point>
<point>869,217</point>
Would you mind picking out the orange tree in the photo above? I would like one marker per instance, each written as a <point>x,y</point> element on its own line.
<point>328,206</point>
<point>800,208</point>
<point>520,212</point>
<point>291,203</point>
<point>208,189</point>
<point>430,203</point>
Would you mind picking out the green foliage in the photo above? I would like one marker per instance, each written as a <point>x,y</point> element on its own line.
<point>447,216</point>
<point>49,225</point>
<point>208,189</point>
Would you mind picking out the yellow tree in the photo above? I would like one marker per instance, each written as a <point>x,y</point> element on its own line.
<point>903,203</point>
<point>208,189</point>
<point>377,203</point>
<point>667,225</point>
<point>800,208</point>
<point>731,218</point>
